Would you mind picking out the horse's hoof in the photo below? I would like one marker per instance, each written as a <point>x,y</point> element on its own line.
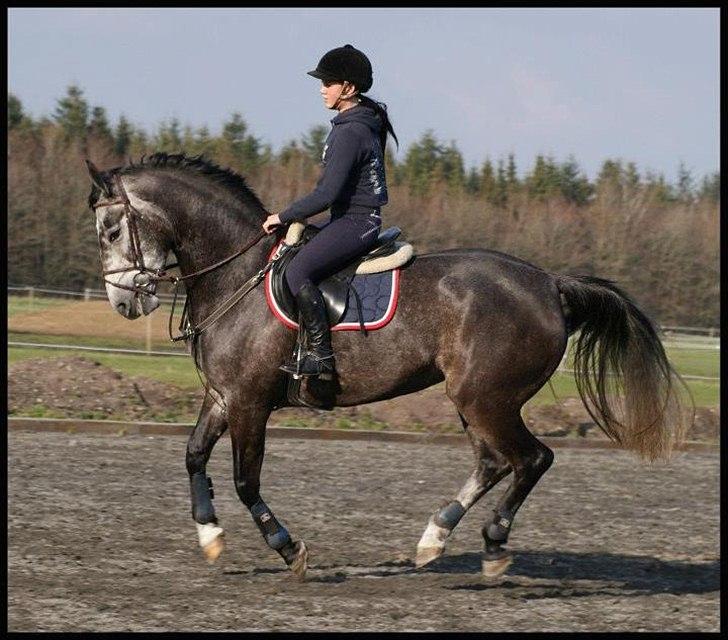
<point>210,538</point>
<point>300,562</point>
<point>213,549</point>
<point>496,568</point>
<point>425,555</point>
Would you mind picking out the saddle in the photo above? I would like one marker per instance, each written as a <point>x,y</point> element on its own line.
<point>387,254</point>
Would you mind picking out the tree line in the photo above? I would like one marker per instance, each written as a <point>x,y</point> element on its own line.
<point>658,239</point>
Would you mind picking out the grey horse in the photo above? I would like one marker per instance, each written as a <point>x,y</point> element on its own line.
<point>492,326</point>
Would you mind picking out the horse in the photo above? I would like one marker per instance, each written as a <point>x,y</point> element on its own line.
<point>493,327</point>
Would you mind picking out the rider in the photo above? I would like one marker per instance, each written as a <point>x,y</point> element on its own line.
<point>352,184</point>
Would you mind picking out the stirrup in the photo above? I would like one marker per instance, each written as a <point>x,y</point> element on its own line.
<point>311,366</point>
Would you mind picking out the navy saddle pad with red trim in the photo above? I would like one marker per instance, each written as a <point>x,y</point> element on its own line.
<point>377,292</point>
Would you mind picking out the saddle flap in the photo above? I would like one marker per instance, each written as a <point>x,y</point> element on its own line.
<point>334,289</point>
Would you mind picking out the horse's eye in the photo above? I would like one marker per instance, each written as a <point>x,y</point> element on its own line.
<point>114,235</point>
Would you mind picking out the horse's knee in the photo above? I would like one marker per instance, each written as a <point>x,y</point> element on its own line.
<point>248,492</point>
<point>195,460</point>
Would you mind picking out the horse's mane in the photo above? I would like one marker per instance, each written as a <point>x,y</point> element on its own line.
<point>226,177</point>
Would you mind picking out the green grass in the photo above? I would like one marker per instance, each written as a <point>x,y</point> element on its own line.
<point>95,341</point>
<point>688,362</point>
<point>695,362</point>
<point>705,393</point>
<point>177,371</point>
<point>23,304</point>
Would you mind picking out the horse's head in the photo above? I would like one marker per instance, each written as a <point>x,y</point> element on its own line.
<point>133,249</point>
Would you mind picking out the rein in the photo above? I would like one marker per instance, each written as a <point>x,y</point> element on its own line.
<point>160,275</point>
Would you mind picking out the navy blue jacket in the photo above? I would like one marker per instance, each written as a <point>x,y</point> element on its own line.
<point>353,179</point>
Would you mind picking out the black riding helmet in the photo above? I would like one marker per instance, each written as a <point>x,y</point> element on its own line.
<point>345,63</point>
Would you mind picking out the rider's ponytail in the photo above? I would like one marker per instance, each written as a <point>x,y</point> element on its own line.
<point>381,110</point>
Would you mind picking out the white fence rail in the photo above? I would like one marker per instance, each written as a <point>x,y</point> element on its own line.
<point>78,347</point>
<point>87,294</point>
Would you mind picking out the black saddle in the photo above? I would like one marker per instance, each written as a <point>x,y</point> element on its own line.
<point>335,289</point>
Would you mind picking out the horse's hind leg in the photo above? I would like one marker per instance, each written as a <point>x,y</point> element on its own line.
<point>529,459</point>
<point>490,468</point>
<point>211,424</point>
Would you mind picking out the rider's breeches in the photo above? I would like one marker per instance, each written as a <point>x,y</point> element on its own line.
<point>332,248</point>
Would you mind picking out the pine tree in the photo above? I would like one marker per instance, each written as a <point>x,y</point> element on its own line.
<point>574,185</point>
<point>487,180</point>
<point>453,167</point>
<point>139,145</point>
<point>501,185</point>
<point>243,147</point>
<point>631,177</point>
<point>710,187</point>
<point>512,173</point>
<point>122,136</point>
<point>168,137</point>
<point>313,142</point>
<point>537,181</point>
<point>72,113</point>
<point>609,181</point>
<point>202,142</point>
<point>660,189</point>
<point>99,125</point>
<point>472,182</point>
<point>15,111</point>
<point>684,183</point>
<point>421,161</point>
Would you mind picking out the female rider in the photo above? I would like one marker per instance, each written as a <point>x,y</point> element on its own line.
<point>352,185</point>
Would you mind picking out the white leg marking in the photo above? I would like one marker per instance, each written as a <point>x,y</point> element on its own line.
<point>432,544</point>
<point>434,535</point>
<point>207,533</point>
<point>211,540</point>
<point>471,491</point>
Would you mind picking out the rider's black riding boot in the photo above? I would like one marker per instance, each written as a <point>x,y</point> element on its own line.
<point>319,359</point>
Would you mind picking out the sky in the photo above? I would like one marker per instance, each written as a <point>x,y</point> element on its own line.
<point>637,84</point>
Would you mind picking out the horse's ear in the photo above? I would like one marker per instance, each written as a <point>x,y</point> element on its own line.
<point>98,179</point>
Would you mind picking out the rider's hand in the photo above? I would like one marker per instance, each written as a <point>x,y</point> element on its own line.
<point>271,222</point>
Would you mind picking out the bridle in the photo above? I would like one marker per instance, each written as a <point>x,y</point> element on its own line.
<point>136,252</point>
<point>160,275</point>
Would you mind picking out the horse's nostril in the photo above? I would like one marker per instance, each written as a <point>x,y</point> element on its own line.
<point>121,307</point>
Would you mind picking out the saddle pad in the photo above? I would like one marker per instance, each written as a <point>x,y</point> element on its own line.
<point>378,292</point>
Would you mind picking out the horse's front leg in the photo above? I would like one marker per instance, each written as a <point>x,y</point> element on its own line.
<point>247,431</point>
<point>211,424</point>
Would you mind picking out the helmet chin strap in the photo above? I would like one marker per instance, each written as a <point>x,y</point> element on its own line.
<point>341,93</point>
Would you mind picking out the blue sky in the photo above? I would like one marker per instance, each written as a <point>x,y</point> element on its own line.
<point>637,84</point>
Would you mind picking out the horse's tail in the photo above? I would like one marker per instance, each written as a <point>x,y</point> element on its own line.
<point>622,372</point>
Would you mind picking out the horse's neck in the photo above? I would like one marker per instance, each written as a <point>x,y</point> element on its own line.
<point>205,238</point>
